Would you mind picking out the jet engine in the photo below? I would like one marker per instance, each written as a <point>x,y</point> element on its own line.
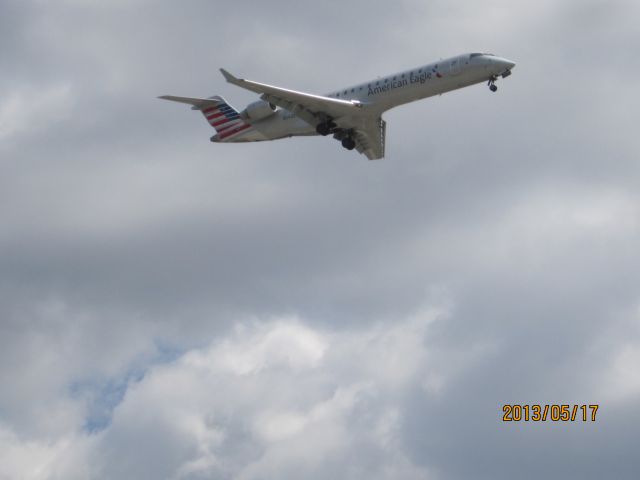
<point>258,110</point>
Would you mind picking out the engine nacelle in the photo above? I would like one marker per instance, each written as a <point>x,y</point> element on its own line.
<point>258,111</point>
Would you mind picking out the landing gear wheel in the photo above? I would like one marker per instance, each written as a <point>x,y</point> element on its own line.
<point>492,84</point>
<point>339,134</point>
<point>348,143</point>
<point>323,129</point>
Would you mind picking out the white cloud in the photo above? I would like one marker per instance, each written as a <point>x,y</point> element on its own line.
<point>50,347</point>
<point>624,375</point>
<point>286,345</point>
<point>64,458</point>
<point>619,375</point>
<point>275,399</point>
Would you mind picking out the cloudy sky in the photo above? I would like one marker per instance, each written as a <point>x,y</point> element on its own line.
<point>176,309</point>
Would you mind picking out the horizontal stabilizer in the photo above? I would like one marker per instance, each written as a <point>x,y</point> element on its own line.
<point>196,103</point>
<point>219,114</point>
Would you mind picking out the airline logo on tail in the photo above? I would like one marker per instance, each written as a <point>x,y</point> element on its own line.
<point>225,119</point>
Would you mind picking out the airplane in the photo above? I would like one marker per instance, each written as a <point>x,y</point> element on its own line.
<point>353,115</point>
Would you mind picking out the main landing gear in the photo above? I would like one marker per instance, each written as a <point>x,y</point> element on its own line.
<point>325,128</point>
<point>348,143</point>
<point>345,137</point>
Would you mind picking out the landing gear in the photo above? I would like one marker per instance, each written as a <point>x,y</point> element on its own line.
<point>492,84</point>
<point>325,128</point>
<point>322,129</point>
<point>340,134</point>
<point>348,143</point>
<point>343,135</point>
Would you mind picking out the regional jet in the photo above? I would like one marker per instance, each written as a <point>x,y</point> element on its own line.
<point>352,115</point>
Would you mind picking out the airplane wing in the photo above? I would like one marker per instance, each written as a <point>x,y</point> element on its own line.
<point>315,104</point>
<point>368,128</point>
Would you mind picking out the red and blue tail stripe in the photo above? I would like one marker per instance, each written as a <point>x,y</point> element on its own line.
<point>225,119</point>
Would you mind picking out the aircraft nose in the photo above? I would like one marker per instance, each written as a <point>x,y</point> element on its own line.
<point>502,67</point>
<point>507,64</point>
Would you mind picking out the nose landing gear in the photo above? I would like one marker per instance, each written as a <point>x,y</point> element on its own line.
<point>492,84</point>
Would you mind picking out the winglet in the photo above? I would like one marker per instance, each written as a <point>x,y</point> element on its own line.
<point>228,77</point>
<point>243,83</point>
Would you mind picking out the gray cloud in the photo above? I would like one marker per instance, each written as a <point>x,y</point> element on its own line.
<point>130,245</point>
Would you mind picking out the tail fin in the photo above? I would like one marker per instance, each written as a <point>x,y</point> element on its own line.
<point>223,117</point>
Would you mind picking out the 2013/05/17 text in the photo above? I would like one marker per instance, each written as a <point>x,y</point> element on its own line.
<point>554,413</point>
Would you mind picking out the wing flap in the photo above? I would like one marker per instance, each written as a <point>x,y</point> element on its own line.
<point>370,138</point>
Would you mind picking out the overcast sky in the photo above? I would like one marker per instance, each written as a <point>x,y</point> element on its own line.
<point>176,309</point>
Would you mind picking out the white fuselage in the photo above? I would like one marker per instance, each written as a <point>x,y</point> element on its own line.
<point>384,93</point>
